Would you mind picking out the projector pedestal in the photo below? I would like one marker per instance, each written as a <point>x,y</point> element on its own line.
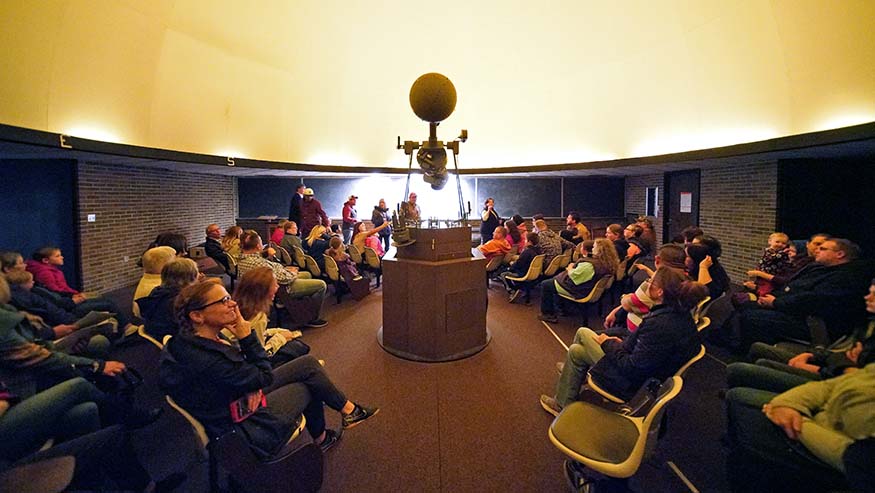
<point>434,310</point>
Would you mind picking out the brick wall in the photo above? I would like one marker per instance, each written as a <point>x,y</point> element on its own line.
<point>635,199</point>
<point>132,205</point>
<point>739,208</point>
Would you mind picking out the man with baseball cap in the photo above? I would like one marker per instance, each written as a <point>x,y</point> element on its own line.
<point>312,213</point>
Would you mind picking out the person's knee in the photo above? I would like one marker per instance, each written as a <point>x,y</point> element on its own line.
<point>577,355</point>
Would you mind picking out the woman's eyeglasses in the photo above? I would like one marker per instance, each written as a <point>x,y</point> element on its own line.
<point>224,300</point>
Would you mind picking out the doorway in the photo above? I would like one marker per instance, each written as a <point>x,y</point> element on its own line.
<point>681,202</point>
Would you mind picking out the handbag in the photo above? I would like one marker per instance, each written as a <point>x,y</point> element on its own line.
<point>289,351</point>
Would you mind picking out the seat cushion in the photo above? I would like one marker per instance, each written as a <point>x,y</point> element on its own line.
<point>596,433</point>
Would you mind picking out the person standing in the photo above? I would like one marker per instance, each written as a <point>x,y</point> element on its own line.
<point>490,220</point>
<point>295,204</point>
<point>410,212</point>
<point>312,213</point>
<point>380,216</point>
<point>350,217</point>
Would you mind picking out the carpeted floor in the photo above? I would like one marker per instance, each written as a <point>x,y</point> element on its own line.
<point>468,425</point>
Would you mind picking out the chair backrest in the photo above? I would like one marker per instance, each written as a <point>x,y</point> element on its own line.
<point>697,311</point>
<point>818,330</point>
<point>371,258</point>
<point>312,266</point>
<point>703,324</point>
<point>575,256</point>
<point>331,269</point>
<point>566,259</point>
<point>535,268</point>
<point>141,330</point>
<point>298,256</point>
<point>355,254</point>
<point>696,357</point>
<point>553,267</point>
<point>282,254</point>
<point>199,430</point>
<point>494,263</point>
<point>232,265</point>
<point>621,269</point>
<point>718,310</point>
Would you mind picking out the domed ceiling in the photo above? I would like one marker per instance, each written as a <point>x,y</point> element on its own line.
<point>538,82</point>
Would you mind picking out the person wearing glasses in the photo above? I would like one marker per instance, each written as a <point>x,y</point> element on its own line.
<point>829,288</point>
<point>231,388</point>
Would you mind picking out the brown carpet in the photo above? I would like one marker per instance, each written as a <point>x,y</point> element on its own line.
<point>468,425</point>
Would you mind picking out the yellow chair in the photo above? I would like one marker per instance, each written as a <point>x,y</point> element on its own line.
<point>531,277</point>
<point>703,324</point>
<point>492,267</point>
<point>697,311</point>
<point>333,273</point>
<point>608,442</point>
<point>312,267</point>
<point>612,398</point>
<point>141,330</point>
<point>355,254</point>
<point>373,263</point>
<point>553,267</point>
<point>298,256</point>
<point>595,294</point>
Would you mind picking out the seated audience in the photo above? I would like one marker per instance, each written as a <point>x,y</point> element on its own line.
<point>213,247</point>
<point>828,288</point>
<point>800,254</point>
<point>291,238</point>
<point>153,261</point>
<point>51,322</point>
<point>254,295</point>
<point>497,246</point>
<point>231,241</point>
<point>663,343</point>
<point>575,231</point>
<point>520,268</point>
<point>552,245</point>
<point>520,224</point>
<point>577,280</point>
<point>157,307</point>
<point>690,233</point>
<point>68,414</point>
<point>637,248</point>
<point>614,232</point>
<point>783,366</point>
<point>215,381</point>
<point>648,233</point>
<point>775,260</point>
<point>45,267</point>
<point>345,265</point>
<point>176,241</point>
<point>803,431</point>
<point>316,244</point>
<point>514,237</point>
<point>297,284</point>
<point>703,265</point>
<point>279,232</point>
<point>635,306</point>
<point>362,236</point>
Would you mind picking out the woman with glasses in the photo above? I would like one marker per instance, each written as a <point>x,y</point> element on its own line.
<point>228,388</point>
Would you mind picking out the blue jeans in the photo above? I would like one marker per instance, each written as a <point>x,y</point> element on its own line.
<point>582,354</point>
<point>62,412</point>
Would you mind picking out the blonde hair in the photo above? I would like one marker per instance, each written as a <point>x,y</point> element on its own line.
<point>155,258</point>
<point>780,236</point>
<point>607,253</point>
<point>232,233</point>
<point>315,233</point>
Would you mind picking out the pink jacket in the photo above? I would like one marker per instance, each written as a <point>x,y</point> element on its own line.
<point>50,277</point>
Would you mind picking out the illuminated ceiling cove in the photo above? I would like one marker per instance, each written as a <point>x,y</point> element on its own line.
<point>326,82</point>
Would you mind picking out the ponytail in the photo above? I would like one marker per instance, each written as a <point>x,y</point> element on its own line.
<point>678,292</point>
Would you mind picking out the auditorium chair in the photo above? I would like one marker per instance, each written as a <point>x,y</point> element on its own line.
<point>531,276</point>
<point>373,263</point>
<point>595,294</point>
<point>492,268</point>
<point>312,267</point>
<point>333,273</point>
<point>590,383</point>
<point>297,468</point>
<point>612,443</point>
<point>282,254</point>
<point>553,267</point>
<point>298,257</point>
<point>141,330</point>
<point>355,254</point>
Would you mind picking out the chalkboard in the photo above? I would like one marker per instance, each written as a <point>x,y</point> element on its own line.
<point>595,196</point>
<point>523,196</point>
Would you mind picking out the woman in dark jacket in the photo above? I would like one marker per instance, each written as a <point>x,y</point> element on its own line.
<point>489,220</point>
<point>157,308</point>
<point>227,388</point>
<point>665,341</point>
<point>380,216</point>
<point>703,265</point>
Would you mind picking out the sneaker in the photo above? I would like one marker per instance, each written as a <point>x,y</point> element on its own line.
<point>550,405</point>
<point>321,362</point>
<point>548,318</point>
<point>315,324</point>
<point>359,414</point>
<point>559,367</point>
<point>331,438</point>
<point>515,295</point>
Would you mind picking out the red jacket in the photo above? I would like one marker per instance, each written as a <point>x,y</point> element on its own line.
<point>50,277</point>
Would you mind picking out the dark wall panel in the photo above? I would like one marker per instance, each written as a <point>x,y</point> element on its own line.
<point>37,198</point>
<point>523,196</point>
<point>595,196</point>
<point>828,196</point>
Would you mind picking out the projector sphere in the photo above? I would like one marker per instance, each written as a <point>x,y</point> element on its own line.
<point>433,97</point>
